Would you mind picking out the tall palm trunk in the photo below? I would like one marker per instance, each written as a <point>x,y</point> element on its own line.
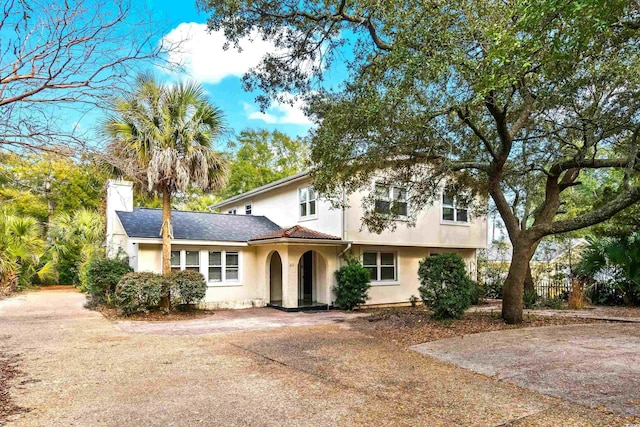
<point>166,231</point>
<point>165,302</point>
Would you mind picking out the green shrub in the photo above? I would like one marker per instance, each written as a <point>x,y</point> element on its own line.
<point>529,298</point>
<point>353,285</point>
<point>556,303</point>
<point>139,292</point>
<point>492,277</point>
<point>478,293</point>
<point>100,275</point>
<point>444,285</point>
<point>186,287</point>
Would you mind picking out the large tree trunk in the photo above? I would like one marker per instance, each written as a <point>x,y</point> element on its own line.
<point>513,291</point>
<point>529,285</point>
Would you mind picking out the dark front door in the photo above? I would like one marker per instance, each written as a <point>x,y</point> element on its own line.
<point>306,277</point>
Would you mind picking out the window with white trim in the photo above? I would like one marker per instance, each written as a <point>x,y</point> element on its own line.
<point>391,200</point>
<point>224,266</point>
<point>192,260</point>
<point>175,261</point>
<point>232,211</point>
<point>452,209</point>
<point>248,208</point>
<point>382,266</point>
<point>307,202</point>
<point>185,260</point>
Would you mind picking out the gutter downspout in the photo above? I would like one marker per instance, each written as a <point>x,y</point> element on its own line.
<point>341,254</point>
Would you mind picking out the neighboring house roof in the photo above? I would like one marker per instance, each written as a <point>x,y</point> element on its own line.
<point>146,223</point>
<point>295,232</point>
<point>259,190</point>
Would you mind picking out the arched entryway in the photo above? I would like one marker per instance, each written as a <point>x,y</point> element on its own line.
<point>275,279</point>
<point>311,271</point>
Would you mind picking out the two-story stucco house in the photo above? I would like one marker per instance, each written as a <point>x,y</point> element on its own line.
<point>280,244</point>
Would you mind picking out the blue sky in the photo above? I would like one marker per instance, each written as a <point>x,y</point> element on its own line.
<point>220,71</point>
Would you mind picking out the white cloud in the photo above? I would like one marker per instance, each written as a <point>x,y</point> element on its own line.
<point>202,55</point>
<point>280,112</point>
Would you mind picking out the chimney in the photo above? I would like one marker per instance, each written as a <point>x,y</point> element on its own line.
<point>119,198</point>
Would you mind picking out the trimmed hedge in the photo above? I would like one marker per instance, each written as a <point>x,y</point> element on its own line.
<point>139,292</point>
<point>100,275</point>
<point>444,285</point>
<point>186,287</point>
<point>353,285</point>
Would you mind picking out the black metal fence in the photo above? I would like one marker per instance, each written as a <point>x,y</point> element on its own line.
<point>552,288</point>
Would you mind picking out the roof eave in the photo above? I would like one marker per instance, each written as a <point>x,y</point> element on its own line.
<point>193,242</point>
<point>272,185</point>
<point>290,240</point>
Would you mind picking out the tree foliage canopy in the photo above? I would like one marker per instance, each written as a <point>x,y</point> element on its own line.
<point>44,184</point>
<point>259,157</point>
<point>506,98</point>
<point>162,138</point>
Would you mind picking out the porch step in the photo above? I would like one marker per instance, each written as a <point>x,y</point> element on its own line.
<point>316,306</point>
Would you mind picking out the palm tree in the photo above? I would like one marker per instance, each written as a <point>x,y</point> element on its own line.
<point>161,138</point>
<point>21,245</point>
<point>73,239</point>
<point>615,260</point>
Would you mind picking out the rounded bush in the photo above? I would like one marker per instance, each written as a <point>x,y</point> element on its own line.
<point>186,287</point>
<point>100,275</point>
<point>444,285</point>
<point>139,292</point>
<point>353,285</point>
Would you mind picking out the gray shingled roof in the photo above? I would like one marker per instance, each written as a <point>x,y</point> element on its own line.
<point>143,222</point>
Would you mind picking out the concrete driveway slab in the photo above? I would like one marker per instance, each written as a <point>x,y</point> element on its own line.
<point>595,365</point>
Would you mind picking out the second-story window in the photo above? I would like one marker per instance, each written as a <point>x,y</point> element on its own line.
<point>453,210</point>
<point>232,211</point>
<point>247,208</point>
<point>307,202</point>
<point>391,200</point>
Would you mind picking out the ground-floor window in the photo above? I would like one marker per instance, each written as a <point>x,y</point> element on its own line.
<point>175,261</point>
<point>382,265</point>
<point>224,266</point>
<point>192,260</point>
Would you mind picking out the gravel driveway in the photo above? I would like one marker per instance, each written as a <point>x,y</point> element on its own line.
<point>596,365</point>
<point>80,369</point>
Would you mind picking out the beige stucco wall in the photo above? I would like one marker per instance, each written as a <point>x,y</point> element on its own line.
<point>428,231</point>
<point>407,283</point>
<point>253,286</point>
<point>246,292</point>
<point>325,264</point>
<point>280,205</point>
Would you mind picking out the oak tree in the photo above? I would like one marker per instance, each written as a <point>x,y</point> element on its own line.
<point>493,96</point>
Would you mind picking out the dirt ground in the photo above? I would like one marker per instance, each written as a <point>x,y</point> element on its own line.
<point>407,326</point>
<point>78,369</point>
